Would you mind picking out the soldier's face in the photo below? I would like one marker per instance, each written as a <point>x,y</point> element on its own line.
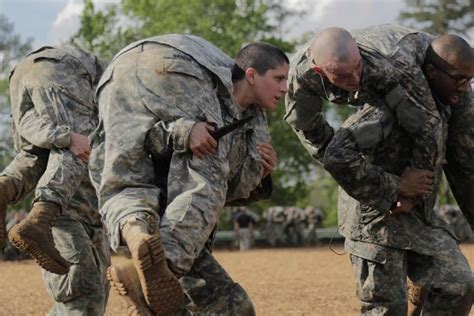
<point>270,87</point>
<point>345,75</point>
<point>452,83</point>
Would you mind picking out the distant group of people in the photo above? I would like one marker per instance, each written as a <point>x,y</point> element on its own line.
<point>291,226</point>
<point>138,155</point>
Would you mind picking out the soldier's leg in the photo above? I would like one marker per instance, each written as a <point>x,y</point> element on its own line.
<point>61,179</point>
<point>218,294</point>
<point>381,285</point>
<point>452,283</point>
<point>19,178</point>
<point>84,289</point>
<point>460,150</point>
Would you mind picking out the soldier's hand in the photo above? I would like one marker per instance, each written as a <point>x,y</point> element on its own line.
<point>404,205</point>
<point>80,146</point>
<point>201,142</point>
<point>269,158</point>
<point>416,182</point>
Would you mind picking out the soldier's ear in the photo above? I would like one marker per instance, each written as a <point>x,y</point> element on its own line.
<point>430,71</point>
<point>250,75</point>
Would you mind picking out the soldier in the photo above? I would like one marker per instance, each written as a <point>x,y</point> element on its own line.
<point>244,225</point>
<point>275,225</point>
<point>173,88</point>
<point>314,218</point>
<point>294,228</point>
<point>390,235</point>
<point>52,96</point>
<point>381,67</point>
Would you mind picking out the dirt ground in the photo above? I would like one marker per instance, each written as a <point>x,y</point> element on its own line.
<point>310,281</point>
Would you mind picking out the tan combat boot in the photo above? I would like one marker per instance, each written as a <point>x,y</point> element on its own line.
<point>34,236</point>
<point>160,286</point>
<point>124,279</point>
<point>416,297</point>
<point>7,195</point>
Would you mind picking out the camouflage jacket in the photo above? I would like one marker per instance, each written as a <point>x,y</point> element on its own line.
<point>48,76</point>
<point>157,89</point>
<point>369,170</point>
<point>391,77</point>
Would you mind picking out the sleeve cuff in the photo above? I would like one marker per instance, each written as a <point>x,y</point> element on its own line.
<point>180,134</point>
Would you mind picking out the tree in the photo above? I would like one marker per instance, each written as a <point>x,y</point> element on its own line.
<point>227,24</point>
<point>440,16</point>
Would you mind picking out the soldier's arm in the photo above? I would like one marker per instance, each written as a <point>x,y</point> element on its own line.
<point>305,116</point>
<point>367,183</point>
<point>416,111</point>
<point>42,132</point>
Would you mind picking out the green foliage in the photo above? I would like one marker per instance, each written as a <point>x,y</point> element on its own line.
<point>227,24</point>
<point>440,16</point>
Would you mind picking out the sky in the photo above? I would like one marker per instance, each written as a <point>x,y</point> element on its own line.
<point>53,21</point>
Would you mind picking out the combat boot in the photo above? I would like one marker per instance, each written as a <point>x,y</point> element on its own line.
<point>34,236</point>
<point>123,277</point>
<point>160,286</point>
<point>7,195</point>
<point>416,297</point>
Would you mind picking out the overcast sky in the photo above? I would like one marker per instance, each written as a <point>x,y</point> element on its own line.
<point>53,21</point>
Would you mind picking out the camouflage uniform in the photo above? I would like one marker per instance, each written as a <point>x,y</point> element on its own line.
<point>391,56</point>
<point>456,220</point>
<point>85,289</point>
<point>220,295</point>
<point>460,167</point>
<point>52,95</point>
<point>275,225</point>
<point>385,248</point>
<point>165,85</point>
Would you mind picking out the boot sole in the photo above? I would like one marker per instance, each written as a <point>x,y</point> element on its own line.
<point>29,246</point>
<point>161,290</point>
<point>133,296</point>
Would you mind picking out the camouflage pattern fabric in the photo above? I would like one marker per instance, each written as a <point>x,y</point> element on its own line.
<point>460,167</point>
<point>52,94</point>
<point>370,176</point>
<point>220,295</point>
<point>381,274</point>
<point>179,80</point>
<point>84,290</point>
<point>391,57</point>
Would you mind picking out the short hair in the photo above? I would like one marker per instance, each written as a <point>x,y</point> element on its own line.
<point>260,56</point>
<point>445,48</point>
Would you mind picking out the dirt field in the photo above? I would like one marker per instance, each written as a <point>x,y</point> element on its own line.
<point>280,282</point>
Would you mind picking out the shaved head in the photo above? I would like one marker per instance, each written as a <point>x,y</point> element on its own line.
<point>449,50</point>
<point>336,57</point>
<point>333,45</point>
<point>449,68</point>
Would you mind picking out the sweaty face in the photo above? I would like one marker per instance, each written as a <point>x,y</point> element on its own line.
<point>345,75</point>
<point>450,82</point>
<point>271,86</point>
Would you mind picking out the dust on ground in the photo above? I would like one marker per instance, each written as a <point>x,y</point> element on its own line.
<point>305,281</point>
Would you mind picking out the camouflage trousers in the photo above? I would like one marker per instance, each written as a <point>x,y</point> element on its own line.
<point>381,279</point>
<point>55,173</point>
<point>219,296</point>
<point>85,289</point>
